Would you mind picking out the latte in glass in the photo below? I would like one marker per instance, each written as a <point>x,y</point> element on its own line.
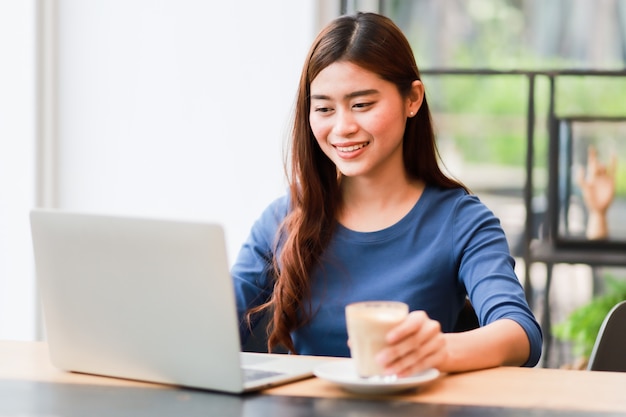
<point>368,323</point>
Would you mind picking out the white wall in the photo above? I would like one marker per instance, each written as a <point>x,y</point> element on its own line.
<point>17,132</point>
<point>170,108</point>
<point>177,108</point>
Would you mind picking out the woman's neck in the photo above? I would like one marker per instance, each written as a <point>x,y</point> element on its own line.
<point>374,204</point>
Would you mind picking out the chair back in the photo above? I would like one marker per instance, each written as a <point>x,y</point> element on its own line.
<point>609,350</point>
<point>467,320</point>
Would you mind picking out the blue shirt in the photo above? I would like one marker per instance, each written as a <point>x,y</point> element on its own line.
<point>448,246</point>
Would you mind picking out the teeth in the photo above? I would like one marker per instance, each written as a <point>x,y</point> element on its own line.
<point>351,148</point>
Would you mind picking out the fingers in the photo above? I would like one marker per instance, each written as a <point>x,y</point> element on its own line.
<point>414,323</point>
<point>415,345</point>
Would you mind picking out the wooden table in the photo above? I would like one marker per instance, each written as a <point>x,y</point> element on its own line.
<point>503,387</point>
<point>530,389</point>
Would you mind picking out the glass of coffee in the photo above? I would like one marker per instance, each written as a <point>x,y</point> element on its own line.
<point>368,323</point>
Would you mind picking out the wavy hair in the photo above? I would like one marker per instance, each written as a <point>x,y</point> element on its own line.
<point>376,44</point>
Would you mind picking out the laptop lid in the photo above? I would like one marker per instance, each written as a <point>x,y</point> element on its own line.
<point>145,299</point>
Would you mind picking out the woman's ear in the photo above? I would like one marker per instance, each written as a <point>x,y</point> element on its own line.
<point>416,97</point>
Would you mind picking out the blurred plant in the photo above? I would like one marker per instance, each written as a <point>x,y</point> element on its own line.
<point>583,324</point>
<point>490,114</point>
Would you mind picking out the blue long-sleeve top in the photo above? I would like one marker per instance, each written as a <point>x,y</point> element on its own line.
<point>448,246</point>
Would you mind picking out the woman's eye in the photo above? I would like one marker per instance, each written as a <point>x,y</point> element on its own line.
<point>323,109</point>
<point>362,105</point>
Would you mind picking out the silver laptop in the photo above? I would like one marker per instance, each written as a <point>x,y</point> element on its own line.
<point>146,299</point>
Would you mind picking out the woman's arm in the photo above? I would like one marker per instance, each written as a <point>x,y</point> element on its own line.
<point>509,333</point>
<point>252,270</point>
<point>503,342</point>
<point>418,344</point>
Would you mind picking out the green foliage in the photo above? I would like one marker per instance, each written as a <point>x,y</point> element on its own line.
<point>479,94</point>
<point>589,96</point>
<point>491,112</point>
<point>583,324</point>
<point>508,149</point>
<point>620,183</point>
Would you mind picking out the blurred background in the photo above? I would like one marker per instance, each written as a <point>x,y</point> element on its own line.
<point>181,109</point>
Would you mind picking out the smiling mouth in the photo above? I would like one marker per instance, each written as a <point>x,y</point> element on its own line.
<point>352,148</point>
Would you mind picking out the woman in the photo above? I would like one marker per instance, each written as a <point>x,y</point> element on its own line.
<point>370,215</point>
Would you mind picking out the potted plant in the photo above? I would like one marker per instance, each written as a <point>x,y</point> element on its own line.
<point>581,327</point>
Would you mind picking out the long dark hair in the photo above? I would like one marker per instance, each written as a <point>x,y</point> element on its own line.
<point>376,44</point>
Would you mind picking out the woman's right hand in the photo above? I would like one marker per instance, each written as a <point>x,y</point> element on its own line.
<point>414,345</point>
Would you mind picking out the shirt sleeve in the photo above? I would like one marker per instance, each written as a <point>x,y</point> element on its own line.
<point>486,268</point>
<point>252,270</point>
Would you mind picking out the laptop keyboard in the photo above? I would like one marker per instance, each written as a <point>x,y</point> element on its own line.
<point>256,374</point>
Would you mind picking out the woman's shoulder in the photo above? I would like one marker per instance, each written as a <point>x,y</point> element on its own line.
<point>280,204</point>
<point>457,200</point>
<point>451,195</point>
<point>276,210</point>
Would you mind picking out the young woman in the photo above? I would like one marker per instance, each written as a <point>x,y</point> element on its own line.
<point>369,215</point>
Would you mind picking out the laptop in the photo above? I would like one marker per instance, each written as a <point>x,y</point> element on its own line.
<point>147,299</point>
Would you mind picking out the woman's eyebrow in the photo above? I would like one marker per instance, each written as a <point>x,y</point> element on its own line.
<point>361,93</point>
<point>347,96</point>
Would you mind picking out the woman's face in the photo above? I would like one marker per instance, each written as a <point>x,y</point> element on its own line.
<point>358,119</point>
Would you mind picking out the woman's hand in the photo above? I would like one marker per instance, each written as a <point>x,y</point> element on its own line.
<point>418,344</point>
<point>414,345</point>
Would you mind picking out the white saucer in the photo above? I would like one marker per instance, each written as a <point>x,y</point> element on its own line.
<point>344,374</point>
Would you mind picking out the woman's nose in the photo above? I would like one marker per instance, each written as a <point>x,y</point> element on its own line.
<point>345,123</point>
